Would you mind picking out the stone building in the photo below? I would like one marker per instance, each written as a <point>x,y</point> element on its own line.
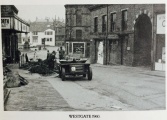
<point>11,26</point>
<point>77,29</point>
<point>59,33</point>
<point>126,34</point>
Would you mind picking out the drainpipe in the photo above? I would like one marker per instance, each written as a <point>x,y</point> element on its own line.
<point>153,46</point>
<point>106,38</point>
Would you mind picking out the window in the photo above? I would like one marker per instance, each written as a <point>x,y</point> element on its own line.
<point>78,48</point>
<point>124,19</point>
<point>35,33</point>
<point>95,24</point>
<point>48,33</point>
<point>113,19</point>
<point>79,34</point>
<point>35,39</point>
<point>50,39</point>
<point>47,39</point>
<point>104,23</point>
<point>78,18</point>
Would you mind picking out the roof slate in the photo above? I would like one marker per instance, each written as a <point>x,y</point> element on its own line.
<point>42,26</point>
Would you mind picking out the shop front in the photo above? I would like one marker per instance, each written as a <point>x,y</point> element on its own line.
<point>11,26</point>
<point>77,48</point>
<point>160,43</point>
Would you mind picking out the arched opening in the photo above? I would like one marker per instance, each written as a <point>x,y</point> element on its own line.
<point>142,41</point>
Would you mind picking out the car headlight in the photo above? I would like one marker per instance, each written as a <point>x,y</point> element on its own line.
<point>73,69</point>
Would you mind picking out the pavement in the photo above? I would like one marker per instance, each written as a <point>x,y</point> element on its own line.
<point>38,95</point>
<point>113,88</point>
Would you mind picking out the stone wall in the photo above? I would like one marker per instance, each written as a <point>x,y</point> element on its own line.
<point>71,21</point>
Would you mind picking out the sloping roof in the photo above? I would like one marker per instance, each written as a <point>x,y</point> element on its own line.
<point>59,24</point>
<point>41,26</point>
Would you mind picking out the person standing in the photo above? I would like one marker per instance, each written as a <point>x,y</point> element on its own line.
<point>26,57</point>
<point>52,60</point>
<point>18,53</point>
<point>35,55</point>
<point>61,53</point>
<point>48,54</point>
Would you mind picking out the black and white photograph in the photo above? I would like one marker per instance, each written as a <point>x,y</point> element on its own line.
<point>83,59</point>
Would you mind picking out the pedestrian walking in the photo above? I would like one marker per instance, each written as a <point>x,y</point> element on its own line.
<point>61,53</point>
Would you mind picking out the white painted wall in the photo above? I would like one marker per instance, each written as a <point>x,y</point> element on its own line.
<point>51,43</point>
<point>42,35</point>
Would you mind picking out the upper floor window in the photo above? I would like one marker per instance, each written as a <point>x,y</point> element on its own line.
<point>48,33</point>
<point>95,24</point>
<point>78,18</point>
<point>124,19</point>
<point>113,19</point>
<point>79,34</point>
<point>104,23</point>
<point>35,33</point>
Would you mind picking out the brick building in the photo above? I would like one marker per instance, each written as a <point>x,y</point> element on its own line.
<point>126,34</point>
<point>77,29</point>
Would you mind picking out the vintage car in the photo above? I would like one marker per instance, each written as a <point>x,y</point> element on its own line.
<point>74,67</point>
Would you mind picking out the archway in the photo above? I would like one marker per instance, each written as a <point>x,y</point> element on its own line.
<point>142,41</point>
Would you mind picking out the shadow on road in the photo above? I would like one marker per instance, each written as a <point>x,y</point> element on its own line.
<point>76,78</point>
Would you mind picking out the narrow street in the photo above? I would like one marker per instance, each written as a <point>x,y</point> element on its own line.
<point>112,88</point>
<point>117,88</point>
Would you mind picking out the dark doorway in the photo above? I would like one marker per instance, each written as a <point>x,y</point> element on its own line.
<point>142,41</point>
<point>88,50</point>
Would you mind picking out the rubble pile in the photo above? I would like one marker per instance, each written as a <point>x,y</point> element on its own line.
<point>13,79</point>
<point>40,67</point>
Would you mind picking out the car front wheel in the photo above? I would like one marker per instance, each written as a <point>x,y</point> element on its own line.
<point>90,73</point>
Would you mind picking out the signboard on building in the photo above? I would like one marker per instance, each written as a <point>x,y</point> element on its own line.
<point>5,23</point>
<point>23,27</point>
<point>16,24</point>
<point>19,26</point>
<point>28,28</point>
<point>113,36</point>
<point>161,24</point>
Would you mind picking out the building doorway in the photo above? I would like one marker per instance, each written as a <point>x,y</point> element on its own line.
<point>115,52</point>
<point>142,41</point>
<point>100,53</point>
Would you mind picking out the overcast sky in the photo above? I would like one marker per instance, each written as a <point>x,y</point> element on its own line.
<point>30,12</point>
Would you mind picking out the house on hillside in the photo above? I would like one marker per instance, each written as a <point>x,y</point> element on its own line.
<point>39,30</point>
